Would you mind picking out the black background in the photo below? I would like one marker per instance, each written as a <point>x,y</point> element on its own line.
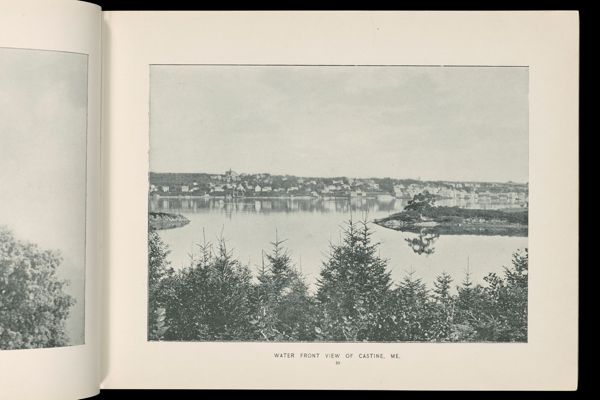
<point>587,22</point>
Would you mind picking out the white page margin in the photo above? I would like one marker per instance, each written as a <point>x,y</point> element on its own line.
<point>545,41</point>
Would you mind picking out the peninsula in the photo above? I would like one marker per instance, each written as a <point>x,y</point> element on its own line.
<point>163,220</point>
<point>459,221</point>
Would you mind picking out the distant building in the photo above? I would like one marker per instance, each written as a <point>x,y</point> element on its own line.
<point>384,196</point>
<point>357,193</point>
<point>257,189</point>
<point>231,175</point>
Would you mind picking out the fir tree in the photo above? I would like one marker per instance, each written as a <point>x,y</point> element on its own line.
<point>283,305</point>
<point>443,308</point>
<point>473,322</point>
<point>517,295</point>
<point>467,297</point>
<point>353,288</point>
<point>441,288</point>
<point>211,299</point>
<point>505,303</point>
<point>412,312</point>
<point>158,272</point>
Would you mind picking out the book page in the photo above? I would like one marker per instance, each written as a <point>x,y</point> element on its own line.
<point>341,200</point>
<point>50,54</point>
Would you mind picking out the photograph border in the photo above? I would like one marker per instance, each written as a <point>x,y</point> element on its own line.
<point>147,319</point>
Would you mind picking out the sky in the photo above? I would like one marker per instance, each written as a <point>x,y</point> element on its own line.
<point>43,120</point>
<point>432,123</point>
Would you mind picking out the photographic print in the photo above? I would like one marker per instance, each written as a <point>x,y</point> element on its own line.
<point>43,128</point>
<point>332,203</point>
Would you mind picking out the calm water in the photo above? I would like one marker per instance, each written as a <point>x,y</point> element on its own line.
<point>308,225</point>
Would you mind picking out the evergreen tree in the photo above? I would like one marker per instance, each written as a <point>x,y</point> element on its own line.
<point>158,272</point>
<point>498,311</point>
<point>412,313</point>
<point>441,288</point>
<point>211,299</point>
<point>505,305</point>
<point>353,288</point>
<point>283,307</point>
<point>476,318</point>
<point>516,304</point>
<point>443,308</point>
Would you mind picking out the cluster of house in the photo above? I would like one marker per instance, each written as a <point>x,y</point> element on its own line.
<point>468,191</point>
<point>232,184</point>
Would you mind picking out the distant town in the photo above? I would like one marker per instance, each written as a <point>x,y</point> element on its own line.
<point>231,184</point>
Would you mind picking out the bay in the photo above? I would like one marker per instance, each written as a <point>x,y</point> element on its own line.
<point>308,226</point>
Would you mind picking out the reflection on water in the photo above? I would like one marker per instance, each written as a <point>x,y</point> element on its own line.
<point>275,205</point>
<point>423,243</point>
<point>316,205</point>
<point>360,206</point>
<point>310,225</point>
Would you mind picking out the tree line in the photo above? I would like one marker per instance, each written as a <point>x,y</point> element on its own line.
<point>216,298</point>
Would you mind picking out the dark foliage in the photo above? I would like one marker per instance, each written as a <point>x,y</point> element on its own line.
<point>33,304</point>
<point>282,307</point>
<point>353,289</point>
<point>215,299</point>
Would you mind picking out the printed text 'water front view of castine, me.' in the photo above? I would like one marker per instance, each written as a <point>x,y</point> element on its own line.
<point>338,203</point>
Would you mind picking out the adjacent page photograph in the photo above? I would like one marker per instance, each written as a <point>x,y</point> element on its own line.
<point>42,219</point>
<point>50,98</point>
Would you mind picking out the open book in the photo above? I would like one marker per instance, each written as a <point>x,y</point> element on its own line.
<point>377,200</point>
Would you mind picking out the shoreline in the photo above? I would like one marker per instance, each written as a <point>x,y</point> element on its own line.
<point>459,221</point>
<point>163,220</point>
<point>271,197</point>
